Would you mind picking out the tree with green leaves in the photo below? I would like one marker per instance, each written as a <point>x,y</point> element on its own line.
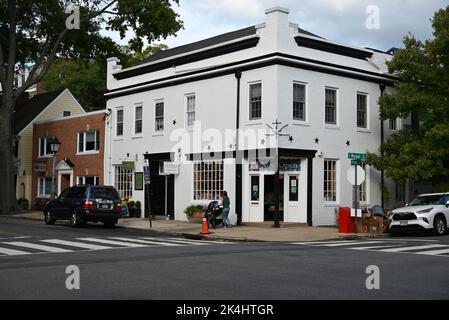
<point>87,79</point>
<point>39,32</point>
<point>421,151</point>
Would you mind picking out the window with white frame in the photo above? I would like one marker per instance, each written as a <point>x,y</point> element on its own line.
<point>159,116</point>
<point>393,124</point>
<point>362,187</point>
<point>330,180</point>
<point>190,110</point>
<point>88,141</point>
<point>66,114</point>
<point>255,101</point>
<point>44,147</point>
<point>362,110</point>
<point>123,182</point>
<point>119,124</point>
<point>331,106</point>
<point>88,180</point>
<point>299,102</point>
<point>138,115</point>
<point>44,187</point>
<point>207,180</point>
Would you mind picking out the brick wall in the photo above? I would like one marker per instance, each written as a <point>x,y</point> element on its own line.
<point>66,130</point>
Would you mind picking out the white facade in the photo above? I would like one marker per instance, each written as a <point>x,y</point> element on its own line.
<point>277,61</point>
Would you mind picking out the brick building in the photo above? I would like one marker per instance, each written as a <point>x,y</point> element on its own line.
<point>79,160</point>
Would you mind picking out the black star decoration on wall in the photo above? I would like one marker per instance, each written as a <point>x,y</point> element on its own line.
<point>174,122</point>
<point>262,141</point>
<point>208,147</point>
<point>231,146</point>
<point>290,139</point>
<point>348,143</point>
<point>317,140</point>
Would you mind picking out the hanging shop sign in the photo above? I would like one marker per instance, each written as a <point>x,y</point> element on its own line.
<point>167,168</point>
<point>40,167</point>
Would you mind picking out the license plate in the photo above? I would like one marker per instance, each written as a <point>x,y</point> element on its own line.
<point>104,206</point>
<point>404,222</point>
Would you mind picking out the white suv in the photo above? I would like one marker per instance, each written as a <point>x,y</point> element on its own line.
<point>426,212</point>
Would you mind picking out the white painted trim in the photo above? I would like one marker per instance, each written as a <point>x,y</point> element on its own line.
<point>86,114</point>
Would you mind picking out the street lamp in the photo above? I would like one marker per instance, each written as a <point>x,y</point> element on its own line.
<point>54,147</point>
<point>277,132</point>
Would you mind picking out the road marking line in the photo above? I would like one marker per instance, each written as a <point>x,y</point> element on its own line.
<point>176,241</point>
<point>37,246</point>
<point>117,243</point>
<point>197,241</point>
<point>325,242</point>
<point>350,243</point>
<point>147,242</point>
<point>433,252</point>
<point>372,248</point>
<point>12,238</point>
<point>11,252</point>
<point>414,248</point>
<point>77,244</point>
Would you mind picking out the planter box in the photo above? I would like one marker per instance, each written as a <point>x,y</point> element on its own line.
<point>196,217</point>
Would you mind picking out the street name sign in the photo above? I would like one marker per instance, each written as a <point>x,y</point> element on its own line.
<point>357,156</point>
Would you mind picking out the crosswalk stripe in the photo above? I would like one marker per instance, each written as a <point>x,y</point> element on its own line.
<point>320,243</point>
<point>37,246</point>
<point>349,243</point>
<point>414,248</point>
<point>147,241</point>
<point>117,243</point>
<point>12,252</point>
<point>77,244</point>
<point>372,248</point>
<point>197,241</point>
<point>184,242</point>
<point>433,252</point>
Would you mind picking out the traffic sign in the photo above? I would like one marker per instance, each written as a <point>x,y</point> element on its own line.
<point>146,171</point>
<point>360,175</point>
<point>357,156</point>
<point>356,162</point>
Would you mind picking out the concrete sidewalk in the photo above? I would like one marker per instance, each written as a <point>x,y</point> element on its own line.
<point>250,232</point>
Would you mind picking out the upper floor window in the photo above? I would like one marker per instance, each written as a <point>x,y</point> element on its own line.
<point>159,116</point>
<point>362,110</point>
<point>88,141</point>
<point>44,147</point>
<point>255,101</point>
<point>190,110</point>
<point>393,124</point>
<point>119,129</point>
<point>138,119</point>
<point>299,102</point>
<point>331,106</point>
<point>66,114</point>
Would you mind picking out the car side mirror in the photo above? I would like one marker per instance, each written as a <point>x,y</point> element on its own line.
<point>447,204</point>
<point>406,204</point>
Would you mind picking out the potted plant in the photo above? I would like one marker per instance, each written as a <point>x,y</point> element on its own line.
<point>138,209</point>
<point>195,213</point>
<point>131,207</point>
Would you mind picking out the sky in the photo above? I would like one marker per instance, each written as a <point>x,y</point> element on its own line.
<point>342,21</point>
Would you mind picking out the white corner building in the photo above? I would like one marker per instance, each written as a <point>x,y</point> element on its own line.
<point>205,116</point>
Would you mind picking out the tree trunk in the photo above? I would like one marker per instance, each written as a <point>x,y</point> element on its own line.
<point>8,202</point>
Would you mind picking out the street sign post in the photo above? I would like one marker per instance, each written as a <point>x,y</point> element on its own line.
<point>147,181</point>
<point>356,176</point>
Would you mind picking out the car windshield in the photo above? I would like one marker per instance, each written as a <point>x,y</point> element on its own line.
<point>105,193</point>
<point>427,200</point>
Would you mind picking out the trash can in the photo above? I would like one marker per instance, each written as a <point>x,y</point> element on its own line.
<point>345,221</point>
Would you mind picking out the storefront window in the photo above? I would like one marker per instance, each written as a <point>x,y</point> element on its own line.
<point>293,188</point>
<point>124,182</point>
<point>255,187</point>
<point>208,180</point>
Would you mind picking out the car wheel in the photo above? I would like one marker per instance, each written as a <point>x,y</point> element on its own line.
<point>110,223</point>
<point>75,220</point>
<point>439,226</point>
<point>48,218</point>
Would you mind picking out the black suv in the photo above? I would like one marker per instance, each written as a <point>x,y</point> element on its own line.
<point>83,203</point>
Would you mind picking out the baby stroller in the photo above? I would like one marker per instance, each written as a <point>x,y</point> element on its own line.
<point>214,214</point>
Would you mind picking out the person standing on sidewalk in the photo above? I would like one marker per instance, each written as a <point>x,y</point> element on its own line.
<point>226,204</point>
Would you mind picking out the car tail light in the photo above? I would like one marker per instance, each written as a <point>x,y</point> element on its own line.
<point>88,205</point>
<point>118,207</point>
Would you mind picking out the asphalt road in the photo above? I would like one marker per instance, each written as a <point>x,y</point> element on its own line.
<point>137,264</point>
